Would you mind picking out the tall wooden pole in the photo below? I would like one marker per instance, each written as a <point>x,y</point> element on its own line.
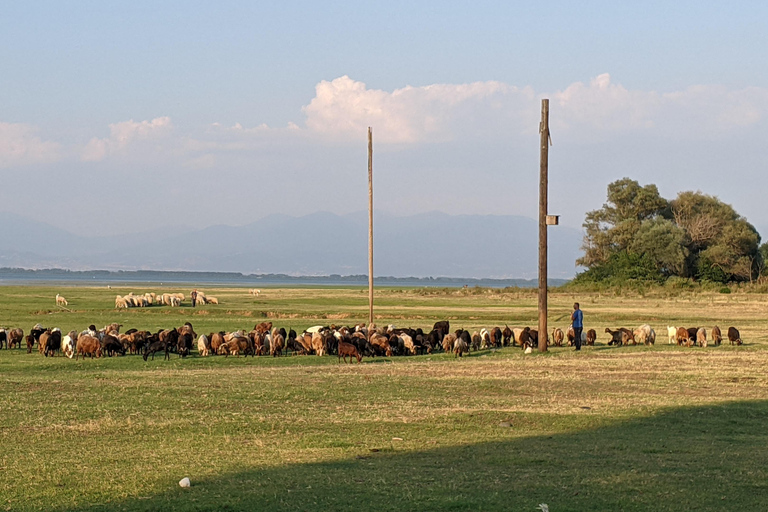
<point>370,226</point>
<point>543,199</point>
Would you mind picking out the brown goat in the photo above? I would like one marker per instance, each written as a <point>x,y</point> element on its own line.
<point>380,344</point>
<point>683,337</point>
<point>347,349</point>
<point>14,337</point>
<point>591,337</point>
<point>557,336</point>
<point>88,346</point>
<point>717,336</point>
<point>277,345</point>
<point>734,336</point>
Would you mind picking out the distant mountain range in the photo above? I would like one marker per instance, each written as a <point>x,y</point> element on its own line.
<point>430,244</point>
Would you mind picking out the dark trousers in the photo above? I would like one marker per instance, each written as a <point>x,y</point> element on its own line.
<point>194,300</point>
<point>577,333</point>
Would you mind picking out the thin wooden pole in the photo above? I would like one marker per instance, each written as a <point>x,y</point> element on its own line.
<point>543,199</point>
<point>370,225</point>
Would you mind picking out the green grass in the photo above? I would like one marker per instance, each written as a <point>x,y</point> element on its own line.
<point>631,428</point>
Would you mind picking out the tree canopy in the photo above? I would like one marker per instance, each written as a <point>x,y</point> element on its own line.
<point>639,234</point>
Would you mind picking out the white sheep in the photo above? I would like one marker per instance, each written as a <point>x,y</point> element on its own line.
<point>61,301</point>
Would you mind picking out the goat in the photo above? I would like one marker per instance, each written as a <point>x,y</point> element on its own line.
<point>701,337</point>
<point>557,336</point>
<point>734,336</point>
<point>88,346</point>
<point>717,336</point>
<point>348,349</point>
<point>671,335</point>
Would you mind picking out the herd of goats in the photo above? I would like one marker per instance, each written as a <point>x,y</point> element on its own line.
<point>354,342</point>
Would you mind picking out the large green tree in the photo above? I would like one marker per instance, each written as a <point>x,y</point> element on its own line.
<point>694,235</point>
<point>613,228</point>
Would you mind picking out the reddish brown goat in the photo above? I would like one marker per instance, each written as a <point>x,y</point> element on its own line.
<point>347,349</point>
<point>88,346</point>
<point>683,337</point>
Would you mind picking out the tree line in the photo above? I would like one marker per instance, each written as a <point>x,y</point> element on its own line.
<point>638,234</point>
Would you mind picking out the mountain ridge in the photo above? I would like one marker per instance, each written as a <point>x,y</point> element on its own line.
<point>322,243</point>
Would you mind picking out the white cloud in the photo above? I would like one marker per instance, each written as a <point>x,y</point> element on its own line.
<point>20,145</point>
<point>124,133</point>
<point>343,108</point>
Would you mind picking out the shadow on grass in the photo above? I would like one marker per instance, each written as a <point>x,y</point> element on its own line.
<point>692,458</point>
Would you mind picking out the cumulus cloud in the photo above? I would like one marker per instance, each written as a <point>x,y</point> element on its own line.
<point>121,135</point>
<point>20,145</point>
<point>344,108</point>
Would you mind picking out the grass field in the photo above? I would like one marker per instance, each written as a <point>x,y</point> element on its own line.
<point>628,428</point>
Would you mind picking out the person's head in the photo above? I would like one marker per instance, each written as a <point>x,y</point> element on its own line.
<point>575,305</point>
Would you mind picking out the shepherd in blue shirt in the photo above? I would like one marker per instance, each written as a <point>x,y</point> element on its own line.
<point>577,321</point>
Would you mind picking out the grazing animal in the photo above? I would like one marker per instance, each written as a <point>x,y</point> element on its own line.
<point>485,338</point>
<point>348,349</point>
<point>643,334</point>
<point>683,337</point>
<point>69,344</point>
<point>89,346</point>
<point>203,345</point>
<point>157,345</point>
<point>460,347</point>
<point>3,338</point>
<point>278,343</point>
<point>558,336</point>
<point>617,337</point>
<point>734,336</point>
<point>448,341</point>
<point>318,343</point>
<point>701,337</point>
<point>217,339</point>
<point>526,338</point>
<point>591,336</point>
<point>467,338</point>
<point>717,336</point>
<point>516,332</point>
<point>507,336</point>
<point>692,331</point>
<point>444,326</point>
<point>61,301</point>
<point>14,338</point>
<point>630,336</point>
<point>496,337</point>
<point>671,335</point>
<point>477,341</point>
<point>112,346</point>
<point>408,345</point>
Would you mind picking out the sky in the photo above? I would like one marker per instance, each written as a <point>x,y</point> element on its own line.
<point>120,117</point>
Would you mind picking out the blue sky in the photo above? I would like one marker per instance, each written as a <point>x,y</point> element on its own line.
<point>198,101</point>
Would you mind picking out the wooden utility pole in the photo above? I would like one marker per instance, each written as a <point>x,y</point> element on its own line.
<point>370,226</point>
<point>543,199</point>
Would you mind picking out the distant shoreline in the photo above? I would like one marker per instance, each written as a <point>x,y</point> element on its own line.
<point>20,276</point>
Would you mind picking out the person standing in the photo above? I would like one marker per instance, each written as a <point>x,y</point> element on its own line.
<point>577,322</point>
<point>193,295</point>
